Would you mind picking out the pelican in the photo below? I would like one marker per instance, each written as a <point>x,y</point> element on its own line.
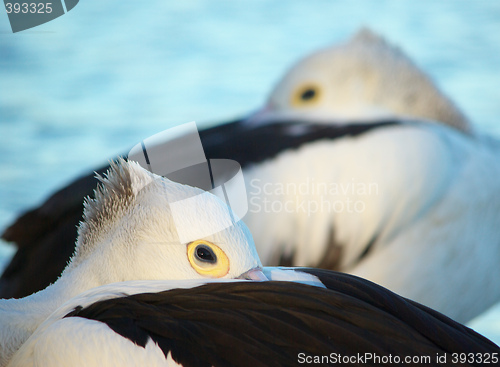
<point>133,294</point>
<point>131,232</point>
<point>356,163</point>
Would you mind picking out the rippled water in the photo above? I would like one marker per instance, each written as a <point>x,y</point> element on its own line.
<point>90,84</point>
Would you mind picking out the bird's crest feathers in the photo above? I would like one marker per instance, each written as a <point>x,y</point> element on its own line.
<point>115,194</point>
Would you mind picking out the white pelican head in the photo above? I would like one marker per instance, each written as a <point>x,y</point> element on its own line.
<point>134,225</point>
<point>364,79</point>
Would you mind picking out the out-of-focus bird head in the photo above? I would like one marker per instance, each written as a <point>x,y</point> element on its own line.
<point>365,79</point>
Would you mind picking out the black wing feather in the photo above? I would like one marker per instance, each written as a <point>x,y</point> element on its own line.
<point>270,323</point>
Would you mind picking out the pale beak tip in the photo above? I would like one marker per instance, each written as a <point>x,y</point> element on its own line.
<point>254,274</point>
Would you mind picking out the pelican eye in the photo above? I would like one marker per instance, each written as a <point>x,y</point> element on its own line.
<point>309,93</point>
<point>207,259</point>
<point>306,95</point>
<point>205,253</point>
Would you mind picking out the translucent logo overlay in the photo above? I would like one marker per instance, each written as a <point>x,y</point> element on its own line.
<point>178,155</point>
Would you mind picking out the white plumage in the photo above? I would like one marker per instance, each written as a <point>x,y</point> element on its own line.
<point>129,234</point>
<point>412,207</point>
<point>423,201</point>
<point>110,307</point>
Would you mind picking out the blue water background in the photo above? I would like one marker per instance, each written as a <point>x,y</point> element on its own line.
<point>92,83</point>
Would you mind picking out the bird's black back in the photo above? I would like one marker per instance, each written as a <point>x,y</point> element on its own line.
<point>275,323</point>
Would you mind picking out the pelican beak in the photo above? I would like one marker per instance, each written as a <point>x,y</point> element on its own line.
<point>255,274</point>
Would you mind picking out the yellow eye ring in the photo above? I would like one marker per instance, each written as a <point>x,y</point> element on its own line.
<point>306,95</point>
<point>207,259</point>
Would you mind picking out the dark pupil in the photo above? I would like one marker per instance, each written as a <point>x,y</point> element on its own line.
<point>204,253</point>
<point>308,94</point>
